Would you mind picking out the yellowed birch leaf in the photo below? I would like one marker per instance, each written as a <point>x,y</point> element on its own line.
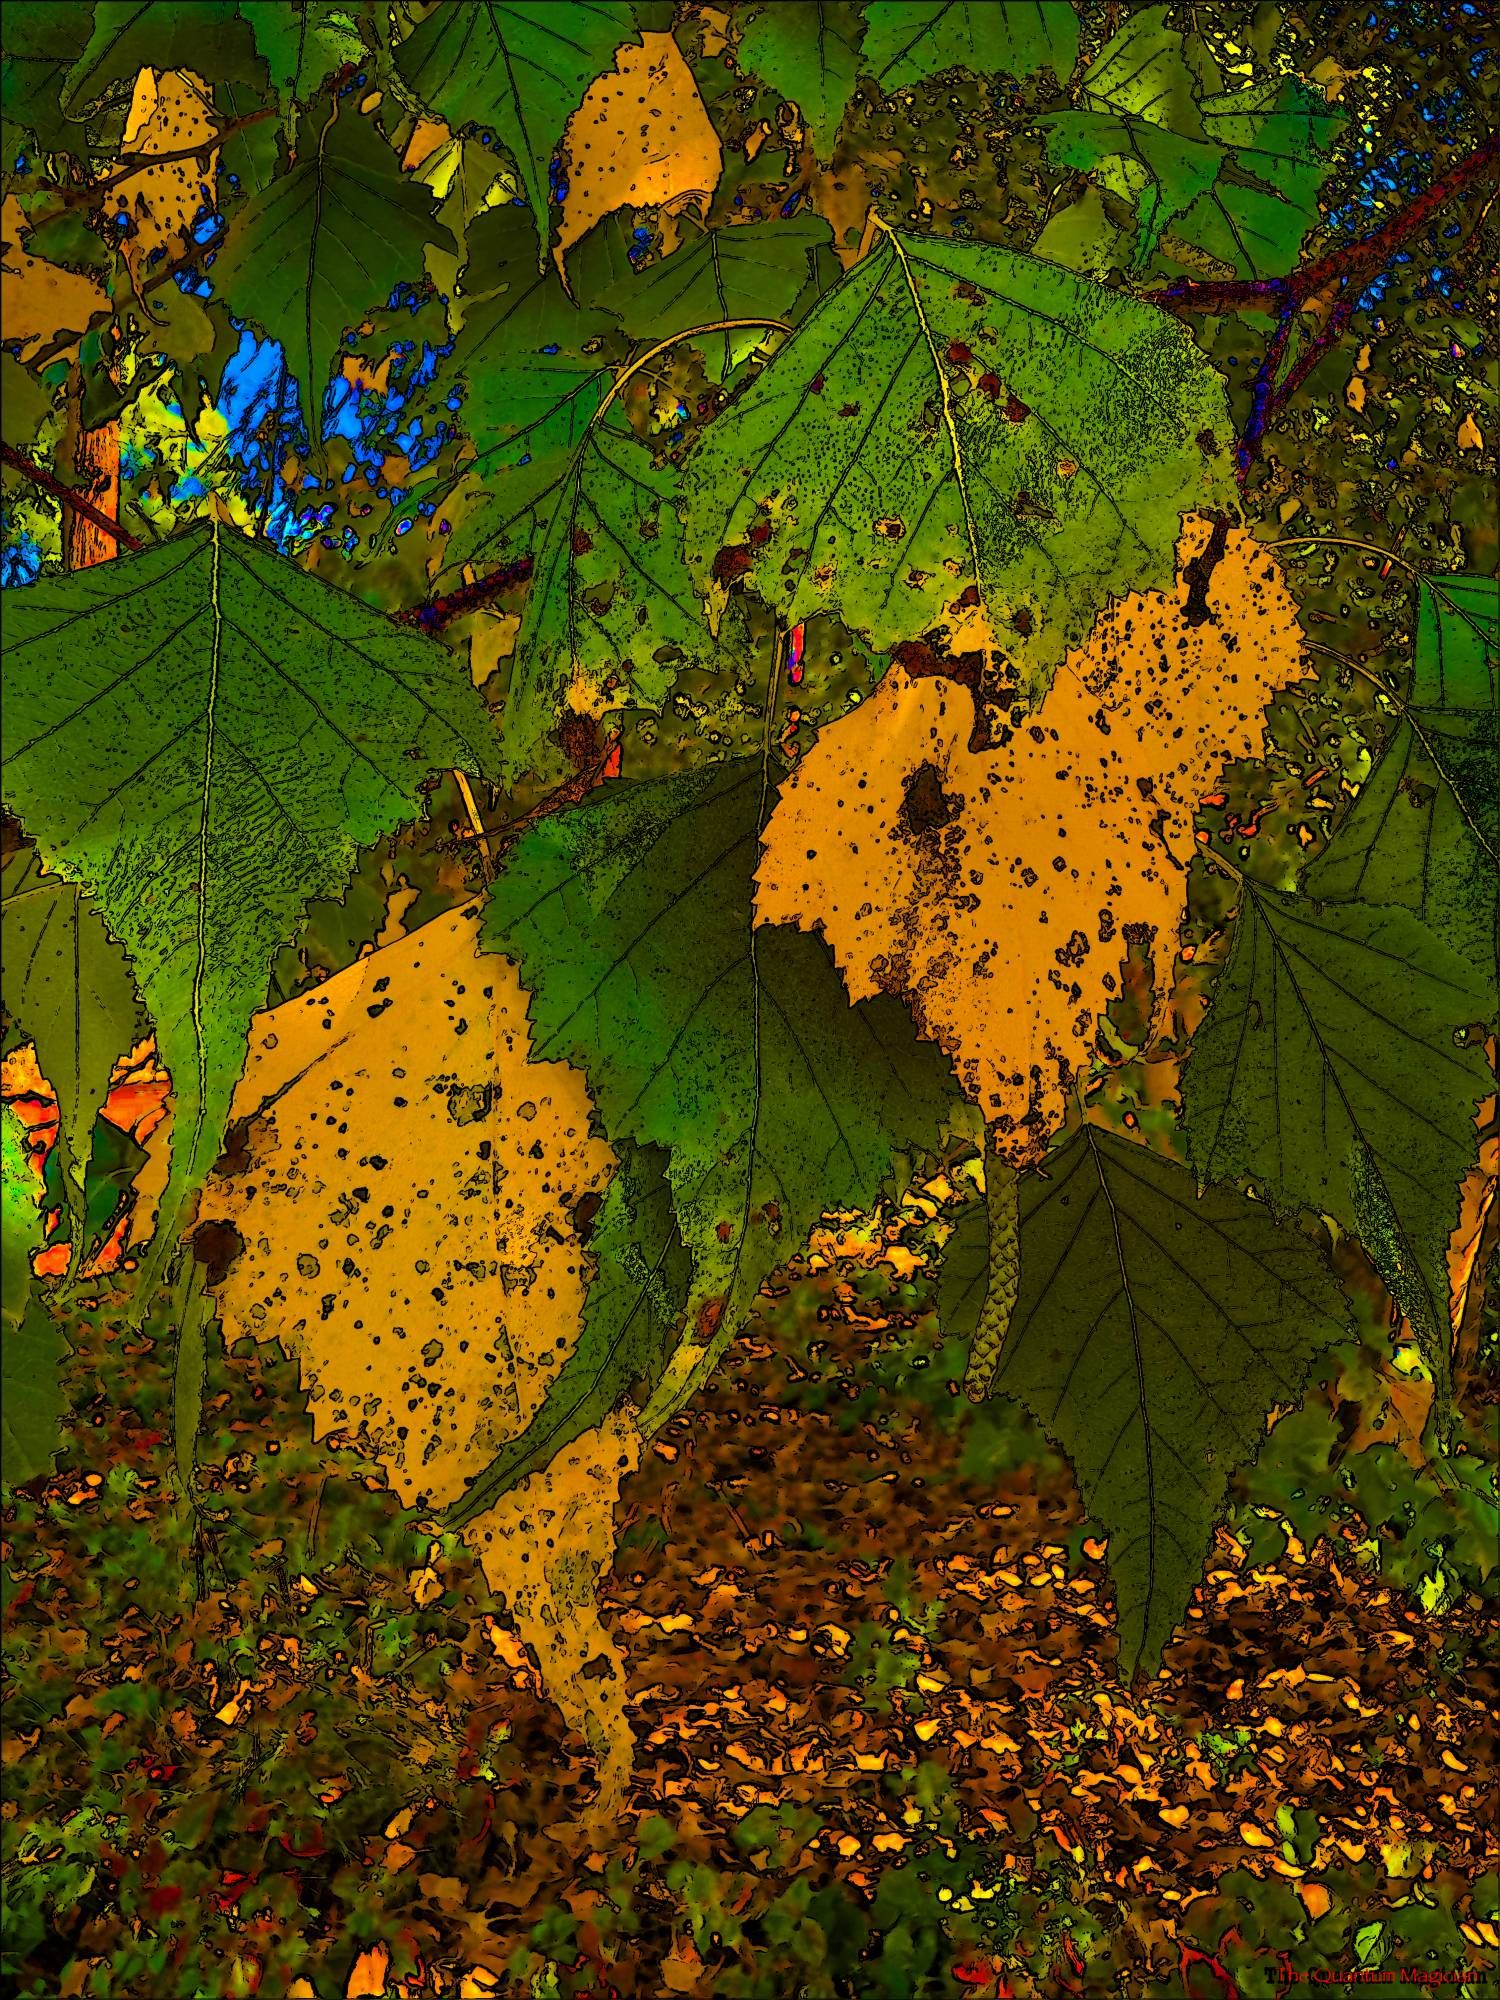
<point>40,302</point>
<point>640,138</point>
<point>171,110</point>
<point>405,1178</point>
<point>993,888</point>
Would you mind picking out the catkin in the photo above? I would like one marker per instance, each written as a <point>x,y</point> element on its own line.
<point>1002,1279</point>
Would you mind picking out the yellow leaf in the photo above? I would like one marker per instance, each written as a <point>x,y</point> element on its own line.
<point>413,1174</point>
<point>1453,1763</point>
<point>367,1981</point>
<point>999,889</point>
<point>1176,1815</point>
<point>1470,436</point>
<point>1253,1836</point>
<point>641,137</point>
<point>170,110</point>
<point>40,301</point>
<point>1315,1899</point>
<point>425,1587</point>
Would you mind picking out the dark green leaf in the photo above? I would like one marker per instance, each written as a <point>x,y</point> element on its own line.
<point>964,439</point>
<point>1327,1074</point>
<point>808,51</point>
<point>1154,1329</point>
<point>68,990</point>
<point>42,42</point>
<point>736,1050</point>
<point>322,243</point>
<point>908,40</point>
<point>130,35</point>
<point>205,736</point>
<point>519,67</point>
<point>1424,831</point>
<point>25,402</point>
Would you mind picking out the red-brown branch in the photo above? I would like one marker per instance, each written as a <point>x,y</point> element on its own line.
<point>70,497</point>
<point>441,611</point>
<point>1357,261</point>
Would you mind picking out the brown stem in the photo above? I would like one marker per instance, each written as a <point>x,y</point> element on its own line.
<point>568,793</point>
<point>135,163</point>
<point>19,462</point>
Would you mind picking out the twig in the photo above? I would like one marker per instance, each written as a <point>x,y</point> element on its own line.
<point>441,611</point>
<point>568,793</point>
<point>136,163</point>
<point>70,497</point>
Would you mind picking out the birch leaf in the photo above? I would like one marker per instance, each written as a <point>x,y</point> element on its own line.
<point>1120,1256</point>
<point>205,736</point>
<point>998,889</point>
<point>965,444</point>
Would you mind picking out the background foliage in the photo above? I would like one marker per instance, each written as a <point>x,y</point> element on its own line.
<point>450,456</point>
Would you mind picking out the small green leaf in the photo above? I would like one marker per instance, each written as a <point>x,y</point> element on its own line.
<point>636,1298</point>
<point>301,46</point>
<point>1424,831</point>
<point>1154,1329</point>
<point>962,438</point>
<point>205,735</point>
<point>1235,173</point>
<point>808,50</point>
<point>32,1347</point>
<point>323,242</point>
<point>519,67</point>
<point>1327,1074</point>
<point>909,40</point>
<point>68,990</point>
<point>608,597</point>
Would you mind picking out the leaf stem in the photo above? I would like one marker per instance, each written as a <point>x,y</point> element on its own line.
<point>673,340</point>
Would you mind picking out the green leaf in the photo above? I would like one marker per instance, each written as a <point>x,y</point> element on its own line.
<point>205,736</point>
<point>748,271</point>
<point>301,46</point>
<point>42,42</point>
<point>908,40</point>
<point>1424,831</point>
<point>736,1050</point>
<point>69,991</point>
<point>1154,1329</point>
<point>1326,1073</point>
<point>957,426</point>
<point>1236,172</point>
<point>528,357</point>
<point>25,403</point>
<point>131,35</point>
<point>635,1302</point>
<point>609,597</point>
<point>325,241</point>
<point>519,67</point>
<point>808,51</point>
<point>32,1347</point>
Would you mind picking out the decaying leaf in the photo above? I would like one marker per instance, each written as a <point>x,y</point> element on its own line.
<point>157,208</point>
<point>641,135</point>
<point>994,887</point>
<point>40,301</point>
<point>405,1182</point>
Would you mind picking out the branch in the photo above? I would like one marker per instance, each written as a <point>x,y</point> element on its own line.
<point>70,497</point>
<point>136,163</point>
<point>441,611</point>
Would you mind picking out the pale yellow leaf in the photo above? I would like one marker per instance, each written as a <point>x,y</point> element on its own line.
<point>170,110</point>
